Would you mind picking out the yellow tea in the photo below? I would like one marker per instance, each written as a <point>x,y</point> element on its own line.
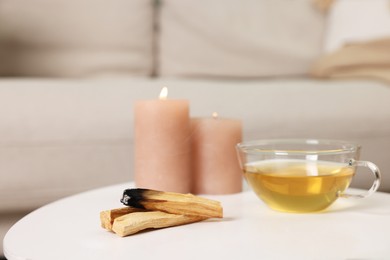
<point>298,185</point>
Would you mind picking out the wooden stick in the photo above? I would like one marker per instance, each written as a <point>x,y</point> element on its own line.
<point>175,203</point>
<point>107,217</point>
<point>137,221</point>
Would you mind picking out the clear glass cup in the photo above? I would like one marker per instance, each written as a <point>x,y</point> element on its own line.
<point>299,175</point>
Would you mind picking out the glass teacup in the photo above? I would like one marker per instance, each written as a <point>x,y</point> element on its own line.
<point>294,175</point>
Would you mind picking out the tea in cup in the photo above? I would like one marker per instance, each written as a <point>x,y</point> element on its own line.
<point>301,175</point>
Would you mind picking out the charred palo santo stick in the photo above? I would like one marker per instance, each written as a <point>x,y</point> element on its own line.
<point>107,217</point>
<point>170,202</point>
<point>137,221</point>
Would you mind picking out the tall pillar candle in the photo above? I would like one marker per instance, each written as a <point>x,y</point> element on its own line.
<point>162,145</point>
<point>215,166</point>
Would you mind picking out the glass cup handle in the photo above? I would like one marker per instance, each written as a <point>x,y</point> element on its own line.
<point>377,174</point>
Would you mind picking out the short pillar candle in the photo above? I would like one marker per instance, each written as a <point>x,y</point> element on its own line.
<point>162,145</point>
<point>215,166</point>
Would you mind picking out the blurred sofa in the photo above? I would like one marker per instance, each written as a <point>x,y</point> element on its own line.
<point>72,70</point>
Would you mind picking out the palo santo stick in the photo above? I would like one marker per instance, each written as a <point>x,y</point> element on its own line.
<point>170,202</point>
<point>134,222</point>
<point>107,217</point>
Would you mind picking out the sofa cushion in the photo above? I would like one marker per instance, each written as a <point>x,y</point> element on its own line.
<point>235,38</point>
<point>60,137</point>
<point>352,21</point>
<point>75,37</point>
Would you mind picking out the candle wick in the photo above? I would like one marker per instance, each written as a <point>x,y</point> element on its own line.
<point>215,115</point>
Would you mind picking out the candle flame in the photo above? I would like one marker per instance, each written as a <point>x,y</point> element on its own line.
<point>164,93</point>
<point>215,115</point>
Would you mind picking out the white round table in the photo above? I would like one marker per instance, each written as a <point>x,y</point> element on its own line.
<point>70,229</point>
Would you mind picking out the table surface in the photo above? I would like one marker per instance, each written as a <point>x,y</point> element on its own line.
<point>70,229</point>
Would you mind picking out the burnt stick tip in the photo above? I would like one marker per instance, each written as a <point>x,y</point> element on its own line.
<point>133,197</point>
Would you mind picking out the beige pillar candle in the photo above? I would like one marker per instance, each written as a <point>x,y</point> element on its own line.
<point>162,145</point>
<point>215,166</point>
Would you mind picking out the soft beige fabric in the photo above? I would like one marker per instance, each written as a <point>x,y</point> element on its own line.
<point>238,38</point>
<point>363,60</point>
<point>356,21</point>
<point>75,37</point>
